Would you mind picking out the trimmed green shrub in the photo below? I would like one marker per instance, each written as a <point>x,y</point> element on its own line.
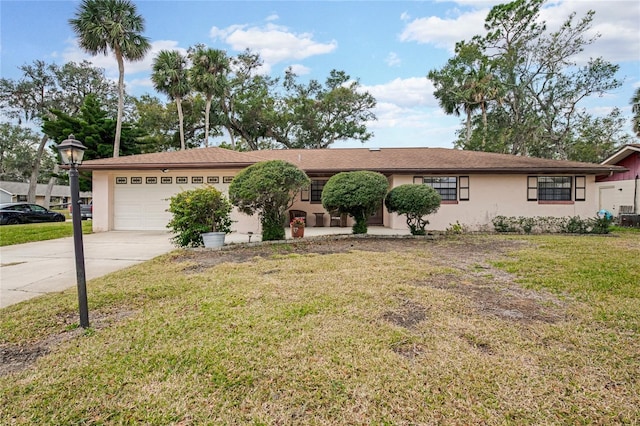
<point>357,194</point>
<point>198,211</point>
<point>550,224</point>
<point>269,189</point>
<point>415,201</point>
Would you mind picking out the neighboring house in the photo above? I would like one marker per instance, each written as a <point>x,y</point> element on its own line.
<point>5,196</point>
<point>14,192</point>
<point>620,192</point>
<point>132,192</point>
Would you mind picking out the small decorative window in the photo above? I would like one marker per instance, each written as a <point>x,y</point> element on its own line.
<point>464,188</point>
<point>227,179</point>
<point>581,188</point>
<point>166,180</point>
<point>213,179</point>
<point>304,194</point>
<point>121,180</point>
<point>136,180</point>
<point>197,179</point>
<point>151,180</point>
<point>182,179</point>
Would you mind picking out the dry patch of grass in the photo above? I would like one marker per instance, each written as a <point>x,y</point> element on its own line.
<point>342,332</point>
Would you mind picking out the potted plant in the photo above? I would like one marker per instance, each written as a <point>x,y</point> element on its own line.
<point>201,216</point>
<point>297,227</point>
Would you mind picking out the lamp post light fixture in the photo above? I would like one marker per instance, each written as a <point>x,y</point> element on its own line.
<point>71,152</point>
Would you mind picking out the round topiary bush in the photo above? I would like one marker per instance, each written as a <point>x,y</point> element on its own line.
<point>268,188</point>
<point>415,201</point>
<point>357,194</point>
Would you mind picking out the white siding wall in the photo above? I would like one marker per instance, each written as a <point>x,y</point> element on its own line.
<point>612,195</point>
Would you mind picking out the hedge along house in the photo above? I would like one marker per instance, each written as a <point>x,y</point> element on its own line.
<point>131,193</point>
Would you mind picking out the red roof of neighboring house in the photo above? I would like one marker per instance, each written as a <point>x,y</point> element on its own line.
<point>622,153</point>
<point>334,160</point>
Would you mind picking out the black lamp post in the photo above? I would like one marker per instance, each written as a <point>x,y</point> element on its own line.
<point>71,152</point>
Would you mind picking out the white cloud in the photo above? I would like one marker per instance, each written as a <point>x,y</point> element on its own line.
<point>405,93</point>
<point>299,69</point>
<point>274,43</point>
<point>108,62</point>
<point>273,17</point>
<point>393,60</point>
<point>617,22</point>
<point>444,32</point>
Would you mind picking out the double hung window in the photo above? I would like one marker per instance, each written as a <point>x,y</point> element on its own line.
<point>556,188</point>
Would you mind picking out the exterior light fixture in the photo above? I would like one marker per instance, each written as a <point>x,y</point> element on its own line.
<point>72,152</point>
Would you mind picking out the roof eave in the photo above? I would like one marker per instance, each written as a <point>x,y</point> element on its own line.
<point>458,171</point>
<point>623,153</point>
<point>161,166</point>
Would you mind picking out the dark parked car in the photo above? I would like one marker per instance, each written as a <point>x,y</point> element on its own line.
<point>14,213</point>
<point>86,210</point>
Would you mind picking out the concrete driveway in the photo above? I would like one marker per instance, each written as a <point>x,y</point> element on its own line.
<point>31,269</point>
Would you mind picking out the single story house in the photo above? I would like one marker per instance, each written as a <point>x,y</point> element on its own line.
<point>132,192</point>
<point>17,192</point>
<point>620,192</point>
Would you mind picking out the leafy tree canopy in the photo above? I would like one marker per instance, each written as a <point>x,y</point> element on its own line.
<point>520,85</point>
<point>95,129</point>
<point>18,149</point>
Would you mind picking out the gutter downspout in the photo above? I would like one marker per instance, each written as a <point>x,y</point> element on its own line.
<point>635,196</point>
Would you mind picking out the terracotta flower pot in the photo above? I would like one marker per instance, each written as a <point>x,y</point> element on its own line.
<point>297,231</point>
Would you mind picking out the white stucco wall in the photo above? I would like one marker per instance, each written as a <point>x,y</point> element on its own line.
<point>494,195</point>
<point>489,196</point>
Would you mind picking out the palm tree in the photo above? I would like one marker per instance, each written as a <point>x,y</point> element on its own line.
<point>635,108</point>
<point>208,76</point>
<point>170,77</point>
<point>112,25</point>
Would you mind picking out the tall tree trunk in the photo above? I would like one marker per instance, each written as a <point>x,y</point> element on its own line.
<point>35,170</point>
<point>231,138</point>
<point>116,140</point>
<point>468,136</point>
<point>207,110</point>
<point>52,181</point>
<point>180,122</point>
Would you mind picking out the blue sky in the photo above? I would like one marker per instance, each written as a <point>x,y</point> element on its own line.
<point>389,46</point>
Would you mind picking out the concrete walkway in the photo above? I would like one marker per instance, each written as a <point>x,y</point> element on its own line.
<point>32,269</point>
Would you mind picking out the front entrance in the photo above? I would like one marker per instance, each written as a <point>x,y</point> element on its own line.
<point>377,218</point>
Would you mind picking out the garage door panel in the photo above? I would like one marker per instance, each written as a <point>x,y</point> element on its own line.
<point>141,207</point>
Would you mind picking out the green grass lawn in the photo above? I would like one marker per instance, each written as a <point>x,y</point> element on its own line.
<point>19,234</point>
<point>461,330</point>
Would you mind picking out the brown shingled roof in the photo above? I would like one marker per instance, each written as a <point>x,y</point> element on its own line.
<point>190,158</point>
<point>329,161</point>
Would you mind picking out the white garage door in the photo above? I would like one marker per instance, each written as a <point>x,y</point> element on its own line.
<point>140,207</point>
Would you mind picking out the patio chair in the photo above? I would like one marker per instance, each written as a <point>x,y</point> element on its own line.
<point>336,219</point>
<point>297,213</point>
